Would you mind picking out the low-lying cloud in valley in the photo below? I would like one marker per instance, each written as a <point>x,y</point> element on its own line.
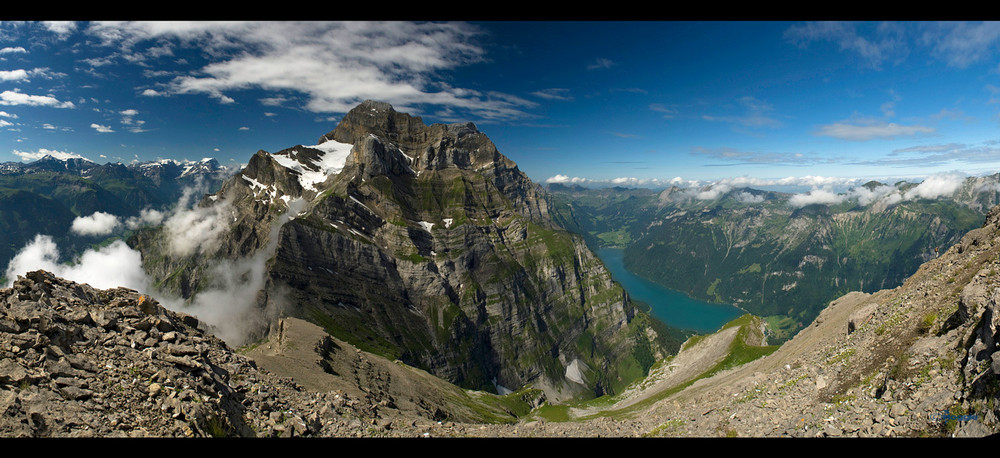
<point>98,223</point>
<point>228,302</point>
<point>933,187</point>
<point>815,196</point>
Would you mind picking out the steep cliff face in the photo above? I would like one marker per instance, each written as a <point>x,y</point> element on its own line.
<point>425,244</point>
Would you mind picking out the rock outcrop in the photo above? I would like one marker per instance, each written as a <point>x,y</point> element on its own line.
<point>81,362</point>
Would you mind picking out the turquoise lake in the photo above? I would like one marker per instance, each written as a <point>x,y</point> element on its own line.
<point>669,306</point>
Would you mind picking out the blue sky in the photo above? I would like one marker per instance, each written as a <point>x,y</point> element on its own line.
<point>591,102</point>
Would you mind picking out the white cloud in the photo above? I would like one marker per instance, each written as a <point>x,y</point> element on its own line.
<point>128,119</point>
<point>934,186</point>
<point>147,216</point>
<point>749,198</point>
<point>739,157</point>
<point>874,43</point>
<point>554,94</point>
<point>100,128</point>
<point>755,114</point>
<point>60,27</point>
<point>814,181</point>
<point>668,113</point>
<point>618,181</point>
<point>961,44</point>
<point>17,98</point>
<point>815,196</point>
<point>867,196</point>
<point>108,267</point>
<point>24,75</point>
<point>869,131</point>
<point>713,192</point>
<point>559,178</point>
<point>724,185</point>
<point>98,223</point>
<point>600,63</point>
<point>42,152</point>
<point>9,50</point>
<point>13,75</point>
<point>196,229</point>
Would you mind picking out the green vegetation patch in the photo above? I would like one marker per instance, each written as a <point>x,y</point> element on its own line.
<point>781,327</point>
<point>370,342</point>
<point>500,409</point>
<point>550,412</point>
<point>751,269</point>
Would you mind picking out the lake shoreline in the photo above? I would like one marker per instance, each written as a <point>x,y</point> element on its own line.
<point>670,306</point>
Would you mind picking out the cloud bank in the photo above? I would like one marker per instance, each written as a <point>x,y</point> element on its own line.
<point>107,267</point>
<point>228,303</point>
<point>933,187</point>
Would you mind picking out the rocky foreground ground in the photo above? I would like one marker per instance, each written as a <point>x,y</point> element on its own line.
<point>78,362</point>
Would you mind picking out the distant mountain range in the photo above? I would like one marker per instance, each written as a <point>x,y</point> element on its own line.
<point>779,255</point>
<point>47,195</point>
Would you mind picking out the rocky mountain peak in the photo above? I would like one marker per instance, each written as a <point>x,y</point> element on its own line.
<point>377,118</point>
<point>463,144</point>
<point>393,144</point>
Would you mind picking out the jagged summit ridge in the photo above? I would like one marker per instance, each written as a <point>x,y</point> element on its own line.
<point>422,143</point>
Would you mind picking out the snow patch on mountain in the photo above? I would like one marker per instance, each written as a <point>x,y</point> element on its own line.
<point>330,163</point>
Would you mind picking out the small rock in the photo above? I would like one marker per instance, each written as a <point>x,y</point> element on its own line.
<point>11,372</point>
